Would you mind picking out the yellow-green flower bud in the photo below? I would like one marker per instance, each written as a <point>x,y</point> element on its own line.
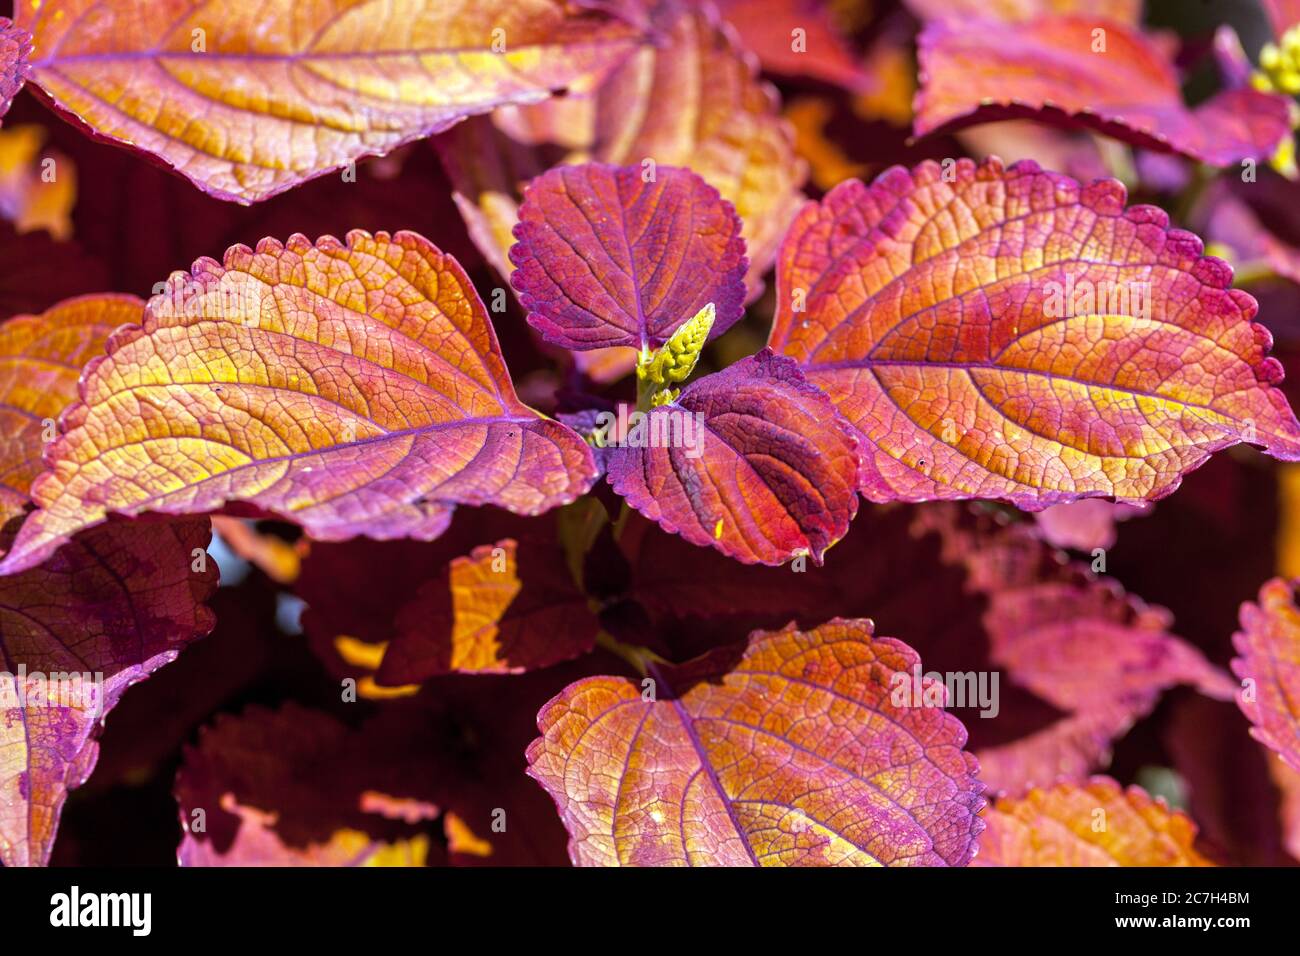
<point>1279,65</point>
<point>675,361</point>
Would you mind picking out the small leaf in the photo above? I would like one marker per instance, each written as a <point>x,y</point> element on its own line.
<point>41,357</point>
<point>38,186</point>
<point>788,752</point>
<point>249,99</point>
<point>1050,68</point>
<point>751,460</point>
<point>273,556</point>
<point>605,258</point>
<point>1096,823</point>
<point>674,361</point>
<point>1269,667</point>
<point>110,608</point>
<point>693,100</point>
<point>351,388</point>
<point>15,48</point>
<point>503,608</point>
<point>1084,525</point>
<point>1008,333</point>
<point>495,594</point>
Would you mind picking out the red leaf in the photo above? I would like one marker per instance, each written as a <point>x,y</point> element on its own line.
<point>108,609</point>
<point>768,28</point>
<point>15,48</point>
<point>765,470</point>
<point>607,259</point>
<point>1075,640</point>
<point>1051,68</point>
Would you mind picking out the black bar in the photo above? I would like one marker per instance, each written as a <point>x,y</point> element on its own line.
<point>562,907</point>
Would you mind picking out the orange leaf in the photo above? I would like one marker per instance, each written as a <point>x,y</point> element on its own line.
<point>40,360</point>
<point>1006,332</point>
<point>1096,823</point>
<point>247,98</point>
<point>353,388</point>
<point>796,750</point>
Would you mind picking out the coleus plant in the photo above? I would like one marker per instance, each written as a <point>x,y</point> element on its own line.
<point>633,570</point>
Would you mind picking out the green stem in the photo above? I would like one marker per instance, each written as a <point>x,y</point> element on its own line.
<point>641,658</point>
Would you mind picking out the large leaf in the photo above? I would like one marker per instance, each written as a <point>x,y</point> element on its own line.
<point>1269,667</point>
<point>1116,81</point>
<point>247,99</point>
<point>1095,823</point>
<point>693,100</point>
<point>353,388</point>
<point>751,460</point>
<point>108,609</point>
<point>1008,333</point>
<point>605,258</point>
<point>41,357</point>
<point>1077,661</point>
<point>791,752</point>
